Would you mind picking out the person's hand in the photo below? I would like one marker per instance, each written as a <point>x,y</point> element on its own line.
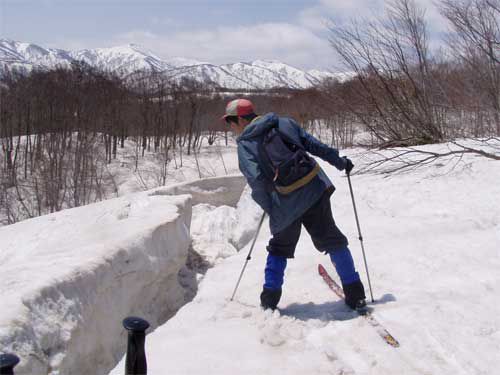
<point>348,165</point>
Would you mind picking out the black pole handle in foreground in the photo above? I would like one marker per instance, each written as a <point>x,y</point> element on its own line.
<point>7,363</point>
<point>249,254</point>
<point>360,236</point>
<point>135,362</point>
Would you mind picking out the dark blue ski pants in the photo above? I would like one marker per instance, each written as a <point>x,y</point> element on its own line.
<point>326,236</point>
<point>319,223</point>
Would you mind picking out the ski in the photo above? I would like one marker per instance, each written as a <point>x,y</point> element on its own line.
<point>379,328</point>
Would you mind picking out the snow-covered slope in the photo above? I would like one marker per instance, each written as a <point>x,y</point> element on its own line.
<point>122,59</point>
<point>178,62</point>
<point>432,240</point>
<point>269,74</point>
<point>26,56</point>
<point>209,74</point>
<point>69,278</point>
<point>131,58</point>
<point>255,75</point>
<point>321,75</point>
<point>11,51</point>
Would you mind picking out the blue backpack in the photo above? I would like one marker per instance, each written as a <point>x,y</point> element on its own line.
<point>287,167</point>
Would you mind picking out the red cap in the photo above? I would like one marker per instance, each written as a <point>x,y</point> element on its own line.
<point>239,107</point>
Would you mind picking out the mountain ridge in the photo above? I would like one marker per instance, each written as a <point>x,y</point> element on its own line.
<point>130,58</point>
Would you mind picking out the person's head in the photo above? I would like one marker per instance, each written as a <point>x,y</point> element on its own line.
<point>239,113</point>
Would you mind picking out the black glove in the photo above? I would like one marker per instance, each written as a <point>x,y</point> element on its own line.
<point>348,165</point>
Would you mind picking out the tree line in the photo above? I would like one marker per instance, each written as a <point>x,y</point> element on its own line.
<point>61,128</point>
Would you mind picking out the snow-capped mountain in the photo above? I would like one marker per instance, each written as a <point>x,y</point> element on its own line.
<point>25,56</point>
<point>132,58</point>
<point>123,59</point>
<point>251,75</point>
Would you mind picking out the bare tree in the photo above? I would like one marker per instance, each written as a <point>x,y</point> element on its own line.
<point>407,159</point>
<point>476,41</point>
<point>394,69</point>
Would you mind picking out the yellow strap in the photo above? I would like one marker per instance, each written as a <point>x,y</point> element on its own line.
<point>299,183</point>
<point>255,119</point>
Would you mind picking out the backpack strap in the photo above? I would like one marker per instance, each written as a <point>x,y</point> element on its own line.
<point>266,167</point>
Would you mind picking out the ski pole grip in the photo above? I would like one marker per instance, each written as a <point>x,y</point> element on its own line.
<point>135,362</point>
<point>7,363</point>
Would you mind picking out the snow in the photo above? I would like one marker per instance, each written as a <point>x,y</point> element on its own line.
<point>296,77</point>
<point>121,257</point>
<point>126,59</point>
<point>210,228</point>
<point>248,214</point>
<point>181,168</point>
<point>215,191</point>
<point>340,76</point>
<point>131,172</point>
<point>69,278</point>
<point>19,54</point>
<point>431,236</point>
<point>432,241</point>
<point>178,62</point>
<point>265,75</point>
<point>220,232</point>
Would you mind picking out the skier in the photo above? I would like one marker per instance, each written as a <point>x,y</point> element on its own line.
<point>293,190</point>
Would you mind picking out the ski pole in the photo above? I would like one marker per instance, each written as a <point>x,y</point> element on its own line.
<point>249,254</point>
<point>360,236</point>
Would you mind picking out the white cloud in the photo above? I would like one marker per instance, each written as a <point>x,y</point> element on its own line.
<point>344,10</point>
<point>293,44</point>
<point>436,22</point>
<point>302,42</point>
<point>316,17</point>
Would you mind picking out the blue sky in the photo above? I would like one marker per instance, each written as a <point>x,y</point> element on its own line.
<point>220,31</point>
